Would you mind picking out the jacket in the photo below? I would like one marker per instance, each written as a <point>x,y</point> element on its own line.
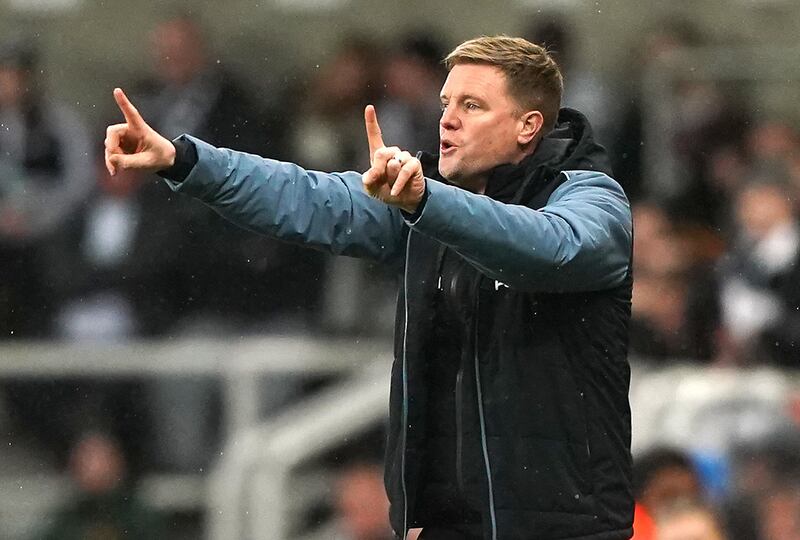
<point>546,302</point>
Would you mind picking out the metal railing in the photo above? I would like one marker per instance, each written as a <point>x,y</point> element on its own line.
<point>251,491</point>
<point>239,364</point>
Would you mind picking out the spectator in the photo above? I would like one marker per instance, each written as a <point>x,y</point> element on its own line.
<point>361,502</point>
<point>584,89</point>
<point>769,148</point>
<point>328,134</point>
<point>222,279</point>
<point>106,505</point>
<point>112,277</point>
<point>45,173</point>
<point>112,281</point>
<point>227,274</point>
<point>410,111</point>
<point>674,312</point>
<point>664,477</point>
<point>765,484</point>
<point>628,151</point>
<point>758,276</point>
<point>780,513</point>
<point>702,121</point>
<point>191,91</point>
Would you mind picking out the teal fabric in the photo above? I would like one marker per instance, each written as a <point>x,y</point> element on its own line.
<point>328,211</point>
<point>580,241</point>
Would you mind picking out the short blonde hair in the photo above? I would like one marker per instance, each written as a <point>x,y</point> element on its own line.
<point>534,79</point>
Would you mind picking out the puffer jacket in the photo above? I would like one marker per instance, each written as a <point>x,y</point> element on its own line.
<point>543,293</point>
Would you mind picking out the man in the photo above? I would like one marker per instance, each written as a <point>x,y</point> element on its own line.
<point>509,415</point>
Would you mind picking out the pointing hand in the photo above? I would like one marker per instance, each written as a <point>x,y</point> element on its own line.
<point>134,144</point>
<point>394,177</point>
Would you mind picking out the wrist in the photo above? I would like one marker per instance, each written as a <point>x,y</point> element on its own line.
<point>410,208</point>
<point>412,212</point>
<point>171,153</point>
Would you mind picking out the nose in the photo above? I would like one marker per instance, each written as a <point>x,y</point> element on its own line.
<point>449,118</point>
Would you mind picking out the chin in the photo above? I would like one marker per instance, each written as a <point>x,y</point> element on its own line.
<point>450,176</point>
<point>449,173</point>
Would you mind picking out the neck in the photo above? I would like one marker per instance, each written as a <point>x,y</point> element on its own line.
<point>475,184</point>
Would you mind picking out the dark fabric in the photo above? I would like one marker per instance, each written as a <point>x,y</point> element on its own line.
<point>553,377</point>
<point>430,533</point>
<point>445,498</point>
<point>185,160</point>
<point>43,153</point>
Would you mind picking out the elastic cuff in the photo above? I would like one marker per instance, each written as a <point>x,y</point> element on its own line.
<point>185,160</point>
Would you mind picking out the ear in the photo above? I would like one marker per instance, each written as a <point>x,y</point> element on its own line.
<point>531,124</point>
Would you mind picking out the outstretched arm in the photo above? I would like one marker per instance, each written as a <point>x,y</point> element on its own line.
<point>329,211</point>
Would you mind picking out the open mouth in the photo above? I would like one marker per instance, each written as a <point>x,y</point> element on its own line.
<point>446,146</point>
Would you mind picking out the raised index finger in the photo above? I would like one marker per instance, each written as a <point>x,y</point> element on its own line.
<point>132,116</point>
<point>373,131</point>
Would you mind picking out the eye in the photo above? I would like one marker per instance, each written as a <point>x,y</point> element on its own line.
<point>471,106</point>
<point>442,106</point>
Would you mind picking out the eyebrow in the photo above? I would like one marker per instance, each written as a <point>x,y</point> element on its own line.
<point>465,97</point>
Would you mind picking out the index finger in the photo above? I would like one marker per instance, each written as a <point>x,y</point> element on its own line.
<point>373,131</point>
<point>132,116</point>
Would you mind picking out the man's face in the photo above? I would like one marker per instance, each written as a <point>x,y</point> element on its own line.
<point>480,124</point>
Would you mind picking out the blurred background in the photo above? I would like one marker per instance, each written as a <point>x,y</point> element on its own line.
<point>164,374</point>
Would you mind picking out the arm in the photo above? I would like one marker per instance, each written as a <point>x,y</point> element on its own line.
<point>581,240</point>
<point>329,211</point>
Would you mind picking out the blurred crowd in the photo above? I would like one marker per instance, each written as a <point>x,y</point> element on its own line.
<point>89,257</point>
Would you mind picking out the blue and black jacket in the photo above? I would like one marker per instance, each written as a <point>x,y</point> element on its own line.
<point>541,288</point>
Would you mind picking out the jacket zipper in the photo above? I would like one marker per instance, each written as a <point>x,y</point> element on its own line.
<point>482,421</point>
<point>459,388</point>
<point>403,438</point>
<point>405,391</point>
<point>460,429</point>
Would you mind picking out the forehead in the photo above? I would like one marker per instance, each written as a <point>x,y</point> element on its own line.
<point>476,80</point>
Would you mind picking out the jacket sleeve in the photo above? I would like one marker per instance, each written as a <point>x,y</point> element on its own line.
<point>328,211</point>
<point>580,241</point>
